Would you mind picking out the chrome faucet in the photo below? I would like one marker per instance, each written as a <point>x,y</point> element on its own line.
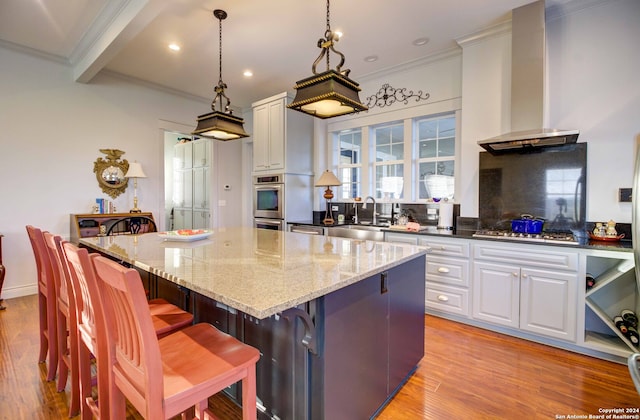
<point>364,207</point>
<point>355,216</point>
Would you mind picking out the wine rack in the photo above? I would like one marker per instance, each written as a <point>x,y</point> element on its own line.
<point>615,289</point>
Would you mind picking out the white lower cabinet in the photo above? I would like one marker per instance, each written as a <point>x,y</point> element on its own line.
<point>536,292</point>
<point>447,275</point>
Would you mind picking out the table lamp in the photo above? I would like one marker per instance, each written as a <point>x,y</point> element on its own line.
<point>135,171</point>
<point>328,179</point>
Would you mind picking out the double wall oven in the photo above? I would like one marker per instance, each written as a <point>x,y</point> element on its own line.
<point>268,202</point>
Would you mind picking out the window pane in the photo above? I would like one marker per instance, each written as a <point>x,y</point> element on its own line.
<point>427,129</point>
<point>436,152</point>
<point>397,151</point>
<point>447,146</point>
<point>350,144</point>
<point>389,177</point>
<point>350,178</point>
<point>427,149</point>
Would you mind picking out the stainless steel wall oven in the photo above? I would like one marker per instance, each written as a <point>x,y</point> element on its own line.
<point>268,197</point>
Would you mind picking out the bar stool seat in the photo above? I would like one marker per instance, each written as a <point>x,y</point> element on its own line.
<point>167,317</point>
<point>165,377</point>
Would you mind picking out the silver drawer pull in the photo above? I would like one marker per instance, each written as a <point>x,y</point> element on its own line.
<point>443,270</point>
<point>443,298</point>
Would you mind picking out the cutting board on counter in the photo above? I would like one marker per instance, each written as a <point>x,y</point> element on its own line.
<point>404,228</point>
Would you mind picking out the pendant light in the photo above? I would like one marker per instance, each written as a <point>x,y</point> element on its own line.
<point>220,125</point>
<point>330,93</point>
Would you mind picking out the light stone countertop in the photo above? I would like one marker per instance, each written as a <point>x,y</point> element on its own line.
<point>257,271</point>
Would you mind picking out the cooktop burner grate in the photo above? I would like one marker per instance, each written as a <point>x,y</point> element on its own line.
<point>545,237</point>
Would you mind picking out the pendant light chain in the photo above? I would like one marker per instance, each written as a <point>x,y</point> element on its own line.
<point>219,89</point>
<point>220,49</point>
<point>328,34</point>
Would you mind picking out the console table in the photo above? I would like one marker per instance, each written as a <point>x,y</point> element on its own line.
<point>88,225</point>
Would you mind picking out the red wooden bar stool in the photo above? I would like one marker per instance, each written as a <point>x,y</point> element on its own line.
<point>165,377</point>
<point>46,303</point>
<point>90,326</point>
<point>65,323</point>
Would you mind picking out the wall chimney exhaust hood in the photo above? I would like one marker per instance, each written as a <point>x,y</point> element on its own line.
<point>528,88</point>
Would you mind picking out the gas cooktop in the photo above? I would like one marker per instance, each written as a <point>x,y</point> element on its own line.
<point>545,237</point>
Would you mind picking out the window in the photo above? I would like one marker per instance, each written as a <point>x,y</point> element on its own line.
<point>350,163</point>
<point>389,160</point>
<point>436,139</point>
<point>411,159</point>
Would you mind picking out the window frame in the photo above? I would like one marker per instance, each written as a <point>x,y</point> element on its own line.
<point>411,161</point>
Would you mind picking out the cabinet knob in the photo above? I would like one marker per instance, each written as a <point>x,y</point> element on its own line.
<point>514,274</point>
<point>443,248</point>
<point>443,298</point>
<point>443,270</point>
<point>524,275</point>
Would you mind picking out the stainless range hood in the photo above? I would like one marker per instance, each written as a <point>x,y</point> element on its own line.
<point>527,88</point>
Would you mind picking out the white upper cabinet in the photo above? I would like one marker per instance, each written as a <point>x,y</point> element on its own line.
<point>282,138</point>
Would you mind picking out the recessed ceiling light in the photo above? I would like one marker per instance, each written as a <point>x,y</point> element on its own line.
<point>247,73</point>
<point>420,41</point>
<point>371,58</point>
<point>174,47</point>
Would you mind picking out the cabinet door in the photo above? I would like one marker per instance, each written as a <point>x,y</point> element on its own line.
<point>548,303</point>
<point>406,292</point>
<point>261,138</point>
<point>183,188</point>
<point>201,188</point>
<point>183,155</point>
<point>276,134</point>
<point>201,219</point>
<point>402,238</point>
<point>182,219</point>
<point>172,293</point>
<point>496,293</point>
<point>355,317</point>
<point>201,151</point>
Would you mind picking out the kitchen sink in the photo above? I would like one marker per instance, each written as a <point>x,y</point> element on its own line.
<point>361,232</point>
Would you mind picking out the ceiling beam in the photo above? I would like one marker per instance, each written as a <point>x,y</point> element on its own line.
<point>117,24</point>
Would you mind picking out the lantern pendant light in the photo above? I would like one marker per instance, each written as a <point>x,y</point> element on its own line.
<point>330,93</point>
<point>220,125</point>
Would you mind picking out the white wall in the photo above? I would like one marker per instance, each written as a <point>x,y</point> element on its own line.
<point>594,86</point>
<point>51,130</point>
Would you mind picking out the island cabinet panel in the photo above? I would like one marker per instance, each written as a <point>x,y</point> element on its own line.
<point>172,292</point>
<point>283,381</point>
<point>373,340</point>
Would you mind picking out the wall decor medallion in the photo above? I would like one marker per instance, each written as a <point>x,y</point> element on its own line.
<point>388,95</point>
<point>110,172</point>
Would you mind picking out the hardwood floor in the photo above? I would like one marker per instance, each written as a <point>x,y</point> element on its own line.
<point>467,373</point>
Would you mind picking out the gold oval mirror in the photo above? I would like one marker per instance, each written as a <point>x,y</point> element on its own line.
<point>110,172</point>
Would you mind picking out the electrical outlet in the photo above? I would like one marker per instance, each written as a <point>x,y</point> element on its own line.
<point>624,195</point>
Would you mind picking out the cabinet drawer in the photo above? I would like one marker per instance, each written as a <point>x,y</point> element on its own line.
<point>450,248</point>
<point>450,299</point>
<point>533,256</point>
<point>448,270</point>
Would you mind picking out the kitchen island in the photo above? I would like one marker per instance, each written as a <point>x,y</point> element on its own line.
<point>339,323</point>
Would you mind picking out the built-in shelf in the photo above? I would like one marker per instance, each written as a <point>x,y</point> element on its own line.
<point>612,274</point>
<point>614,290</point>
